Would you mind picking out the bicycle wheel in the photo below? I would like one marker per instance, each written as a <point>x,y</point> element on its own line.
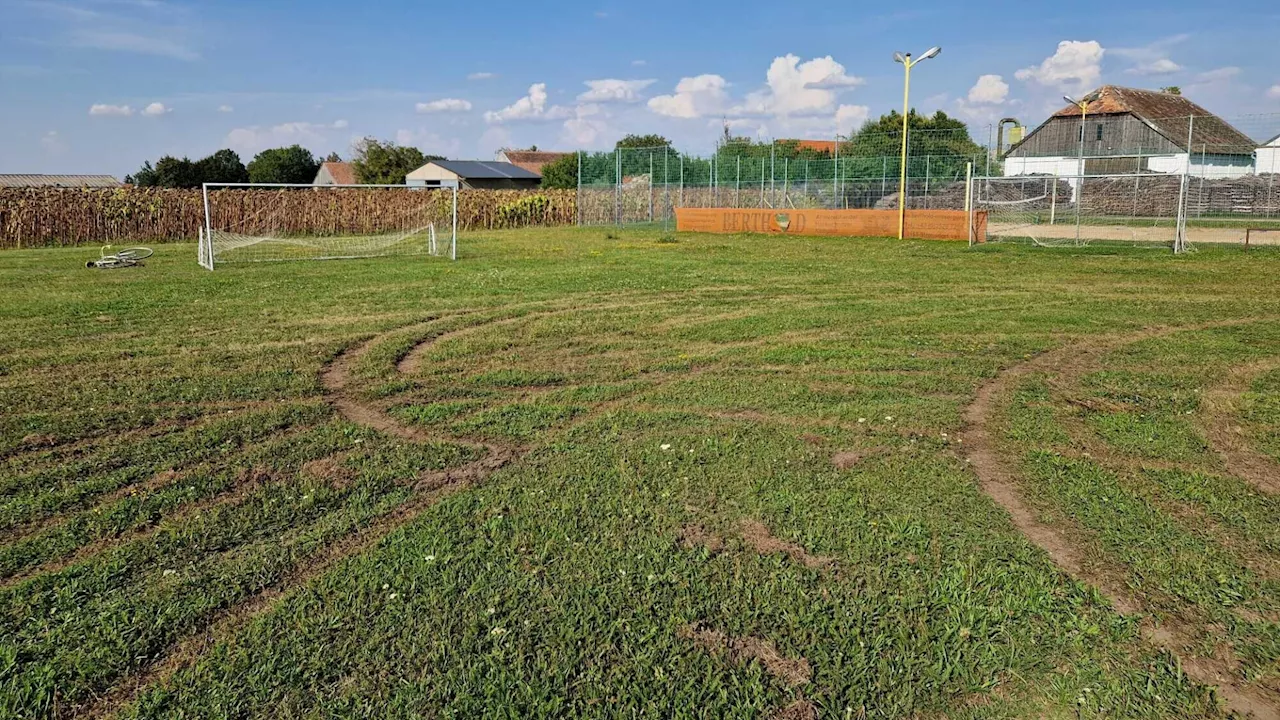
<point>112,262</point>
<point>135,253</point>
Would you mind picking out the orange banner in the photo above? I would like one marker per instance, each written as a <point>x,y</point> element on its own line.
<point>921,224</point>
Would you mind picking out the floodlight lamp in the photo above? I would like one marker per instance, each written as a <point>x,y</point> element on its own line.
<point>899,57</point>
<point>1071,100</point>
<point>931,52</point>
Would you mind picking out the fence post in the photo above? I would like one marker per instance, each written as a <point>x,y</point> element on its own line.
<point>682,181</point>
<point>968,199</point>
<point>1180,235</point>
<point>650,186</point>
<point>773,175</point>
<point>617,186</point>
<point>579,194</point>
<point>927,170</point>
<point>666,182</point>
<point>737,184</point>
<point>1053,204</point>
<point>761,206</point>
<point>786,179</point>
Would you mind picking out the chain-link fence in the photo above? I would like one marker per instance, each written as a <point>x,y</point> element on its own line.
<point>645,185</point>
<point>1172,181</point>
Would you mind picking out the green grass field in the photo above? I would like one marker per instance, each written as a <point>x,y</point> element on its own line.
<point>590,473</point>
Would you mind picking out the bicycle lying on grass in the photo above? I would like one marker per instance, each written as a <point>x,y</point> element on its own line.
<point>127,257</point>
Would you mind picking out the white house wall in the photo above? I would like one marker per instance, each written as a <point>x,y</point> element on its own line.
<point>1059,166</point>
<point>1269,159</point>
<point>1209,168</point>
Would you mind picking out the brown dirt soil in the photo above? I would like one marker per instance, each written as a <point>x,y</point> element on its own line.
<point>333,470</point>
<point>695,536</point>
<point>799,710</point>
<point>757,535</point>
<point>741,650</point>
<point>846,459</point>
<point>429,488</point>
<point>998,481</point>
<point>1220,422</point>
<point>246,482</point>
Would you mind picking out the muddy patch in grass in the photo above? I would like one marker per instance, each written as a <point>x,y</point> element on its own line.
<point>333,471</point>
<point>798,710</point>
<point>794,672</point>
<point>758,537</point>
<point>691,537</point>
<point>846,459</point>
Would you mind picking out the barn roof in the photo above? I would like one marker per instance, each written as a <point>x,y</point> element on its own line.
<point>1168,114</point>
<point>68,181</point>
<point>533,160</point>
<point>481,170</point>
<point>343,173</point>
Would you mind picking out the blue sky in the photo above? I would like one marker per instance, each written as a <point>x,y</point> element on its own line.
<point>98,86</point>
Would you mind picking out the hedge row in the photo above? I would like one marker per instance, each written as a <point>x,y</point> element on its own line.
<point>56,217</point>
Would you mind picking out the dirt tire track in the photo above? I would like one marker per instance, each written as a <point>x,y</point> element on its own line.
<point>429,488</point>
<point>998,479</point>
<point>1220,424</point>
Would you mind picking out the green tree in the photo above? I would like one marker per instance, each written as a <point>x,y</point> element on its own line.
<point>1172,90</point>
<point>561,174</point>
<point>293,164</point>
<point>643,141</point>
<point>938,144</point>
<point>145,177</point>
<point>223,166</point>
<point>172,172</point>
<point>333,157</point>
<point>379,162</point>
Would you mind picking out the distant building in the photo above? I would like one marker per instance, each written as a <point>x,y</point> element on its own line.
<point>336,173</point>
<point>1268,156</point>
<point>473,174</point>
<point>822,146</point>
<point>531,160</point>
<point>1128,130</point>
<point>59,181</point>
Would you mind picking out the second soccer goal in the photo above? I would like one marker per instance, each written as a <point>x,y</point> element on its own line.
<point>250,222</point>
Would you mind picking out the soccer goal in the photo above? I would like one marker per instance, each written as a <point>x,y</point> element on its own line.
<point>247,222</point>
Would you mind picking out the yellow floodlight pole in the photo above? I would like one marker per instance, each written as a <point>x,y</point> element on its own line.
<point>907,64</point>
<point>1083,104</point>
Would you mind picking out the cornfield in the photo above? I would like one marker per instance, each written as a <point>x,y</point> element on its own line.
<point>59,217</point>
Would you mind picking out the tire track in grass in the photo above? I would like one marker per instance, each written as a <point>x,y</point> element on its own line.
<point>1221,425</point>
<point>998,480</point>
<point>428,489</point>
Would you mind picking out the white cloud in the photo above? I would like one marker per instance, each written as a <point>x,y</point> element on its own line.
<point>989,90</point>
<point>341,124</point>
<point>694,97</point>
<point>639,63</point>
<point>1153,59</point>
<point>587,127</point>
<point>611,90</point>
<point>851,117</point>
<point>53,143</point>
<point>1274,92</point>
<point>430,142</point>
<point>256,138</point>
<point>226,109</point>
<point>117,110</point>
<point>796,88</point>
<point>132,42</point>
<point>1159,66</point>
<point>482,76</point>
<point>1074,65</point>
<point>155,109</point>
<point>443,105</point>
<point>532,106</point>
<point>1218,75</point>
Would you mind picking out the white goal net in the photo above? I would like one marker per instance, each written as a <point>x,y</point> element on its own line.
<point>256,223</point>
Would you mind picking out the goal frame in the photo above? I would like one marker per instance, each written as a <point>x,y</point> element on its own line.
<point>204,253</point>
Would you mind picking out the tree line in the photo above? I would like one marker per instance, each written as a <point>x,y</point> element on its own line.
<point>376,162</point>
<point>938,141</point>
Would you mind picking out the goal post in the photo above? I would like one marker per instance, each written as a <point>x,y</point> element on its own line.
<point>260,222</point>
